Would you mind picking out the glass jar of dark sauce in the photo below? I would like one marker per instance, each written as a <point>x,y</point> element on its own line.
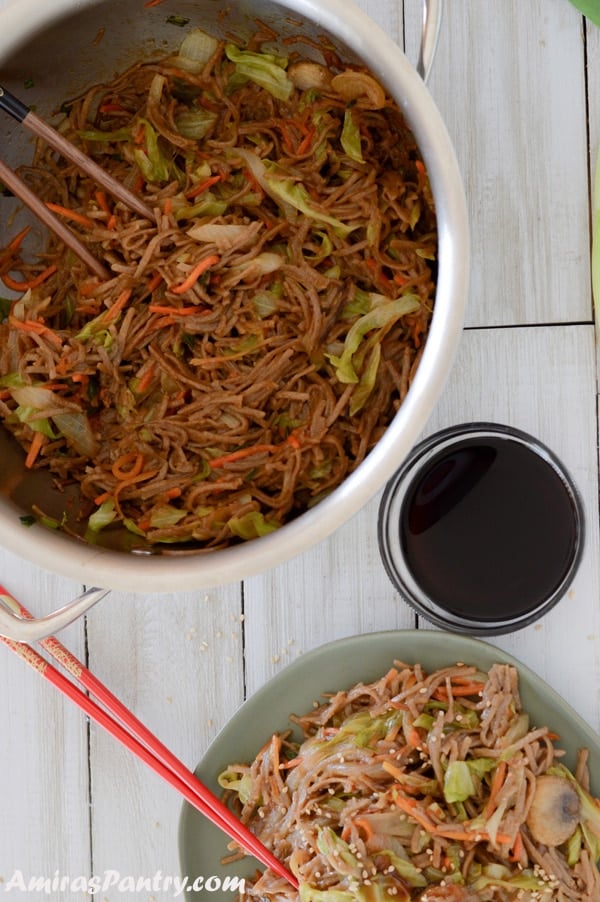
<point>481,529</point>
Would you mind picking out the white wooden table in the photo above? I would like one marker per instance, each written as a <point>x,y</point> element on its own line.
<point>515,82</point>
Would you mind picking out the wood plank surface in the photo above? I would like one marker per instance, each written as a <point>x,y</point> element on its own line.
<point>43,749</point>
<point>510,80</point>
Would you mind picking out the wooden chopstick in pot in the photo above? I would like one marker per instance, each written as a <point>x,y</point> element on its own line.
<point>124,726</point>
<point>19,111</point>
<point>41,211</point>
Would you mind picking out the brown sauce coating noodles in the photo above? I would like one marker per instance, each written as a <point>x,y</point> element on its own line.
<point>253,344</point>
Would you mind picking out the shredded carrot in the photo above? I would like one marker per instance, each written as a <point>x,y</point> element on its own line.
<point>32,326</point>
<point>497,782</point>
<point>256,186</point>
<point>240,454</point>
<point>100,499</point>
<point>517,848</point>
<point>410,807</point>
<point>131,457</point>
<point>168,206</point>
<point>15,244</point>
<point>126,483</point>
<point>457,833</point>
<point>37,443</point>
<point>346,832</point>
<point>287,140</point>
<point>203,186</point>
<point>306,142</point>
<point>145,380</point>
<point>417,329</point>
<point>420,167</point>
<point>112,222</point>
<point>376,270</point>
<point>14,285</point>
<point>154,282</point>
<point>195,274</point>
<point>175,492</point>
<point>87,289</point>
<point>113,312</point>
<point>293,440</point>
<point>111,106</point>
<point>363,824</point>
<point>102,202</point>
<point>414,738</point>
<point>448,832</point>
<point>460,687</point>
<point>66,213</point>
<point>81,379</point>
<point>91,309</point>
<point>163,322</point>
<point>150,3</point>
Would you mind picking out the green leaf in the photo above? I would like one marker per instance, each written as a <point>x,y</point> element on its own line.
<point>350,139</point>
<point>96,134</point>
<point>104,515</point>
<point>180,21</point>
<point>251,525</point>
<point>264,69</point>
<point>589,8</point>
<point>458,782</point>
<point>166,515</point>
<point>5,305</point>
<point>296,195</point>
<point>377,318</point>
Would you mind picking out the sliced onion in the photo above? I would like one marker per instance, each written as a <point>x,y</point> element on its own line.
<point>224,235</point>
<point>265,303</point>
<point>260,265</point>
<point>77,430</point>
<point>195,124</point>
<point>196,49</point>
<point>41,399</point>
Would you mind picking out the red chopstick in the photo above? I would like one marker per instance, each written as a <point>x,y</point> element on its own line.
<point>137,738</point>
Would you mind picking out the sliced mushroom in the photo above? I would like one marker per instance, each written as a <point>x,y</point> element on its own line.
<point>359,87</point>
<point>554,812</point>
<point>306,75</point>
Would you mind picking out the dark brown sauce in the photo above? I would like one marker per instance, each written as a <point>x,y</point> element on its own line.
<point>488,530</point>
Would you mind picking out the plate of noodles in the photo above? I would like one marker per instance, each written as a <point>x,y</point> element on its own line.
<point>406,765</point>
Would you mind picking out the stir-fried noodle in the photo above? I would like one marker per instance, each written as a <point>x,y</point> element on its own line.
<point>421,786</point>
<point>252,344</point>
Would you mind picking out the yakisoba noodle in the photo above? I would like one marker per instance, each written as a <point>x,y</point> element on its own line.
<point>253,344</point>
<point>422,787</point>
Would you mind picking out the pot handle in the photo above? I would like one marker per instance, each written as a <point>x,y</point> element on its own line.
<point>432,20</point>
<point>16,626</point>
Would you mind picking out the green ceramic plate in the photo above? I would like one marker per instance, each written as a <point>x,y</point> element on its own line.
<point>339,665</point>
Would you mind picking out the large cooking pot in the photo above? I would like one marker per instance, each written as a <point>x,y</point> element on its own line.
<point>60,47</point>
